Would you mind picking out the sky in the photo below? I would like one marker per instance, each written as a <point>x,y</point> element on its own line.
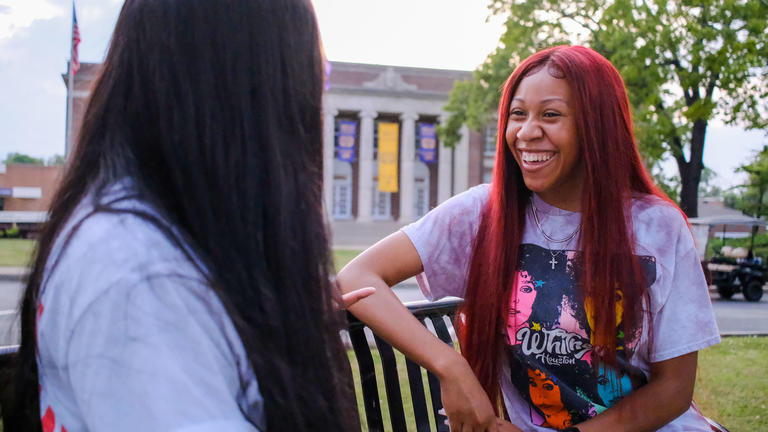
<point>446,34</point>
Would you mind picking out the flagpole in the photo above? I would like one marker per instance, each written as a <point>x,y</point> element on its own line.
<point>70,108</point>
<point>70,89</point>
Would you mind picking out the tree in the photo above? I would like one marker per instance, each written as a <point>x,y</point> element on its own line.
<point>684,63</point>
<point>55,160</point>
<point>20,158</point>
<point>752,200</point>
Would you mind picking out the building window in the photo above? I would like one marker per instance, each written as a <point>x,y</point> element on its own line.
<point>487,176</point>
<point>381,203</point>
<point>490,139</point>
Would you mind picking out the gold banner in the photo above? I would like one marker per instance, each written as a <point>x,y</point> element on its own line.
<point>389,134</point>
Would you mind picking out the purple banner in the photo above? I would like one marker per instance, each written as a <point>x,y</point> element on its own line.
<point>427,143</point>
<point>6,192</point>
<point>345,143</point>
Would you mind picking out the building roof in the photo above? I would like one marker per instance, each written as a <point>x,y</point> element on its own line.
<point>373,78</point>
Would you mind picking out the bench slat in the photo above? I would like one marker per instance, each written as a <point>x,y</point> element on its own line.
<point>418,398</point>
<point>367,379</point>
<point>434,385</point>
<point>391,384</point>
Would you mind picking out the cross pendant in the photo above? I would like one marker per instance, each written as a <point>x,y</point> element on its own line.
<point>553,262</point>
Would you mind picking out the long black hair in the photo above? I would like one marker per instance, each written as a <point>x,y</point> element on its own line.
<point>213,109</point>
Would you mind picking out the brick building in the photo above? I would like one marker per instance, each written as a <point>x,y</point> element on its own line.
<point>25,187</point>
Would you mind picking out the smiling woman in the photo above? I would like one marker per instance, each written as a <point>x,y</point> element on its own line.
<point>590,268</point>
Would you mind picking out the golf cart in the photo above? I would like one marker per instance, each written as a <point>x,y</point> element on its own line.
<point>732,269</point>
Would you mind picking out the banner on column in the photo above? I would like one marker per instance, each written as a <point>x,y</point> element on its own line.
<point>389,134</point>
<point>427,143</point>
<point>345,147</point>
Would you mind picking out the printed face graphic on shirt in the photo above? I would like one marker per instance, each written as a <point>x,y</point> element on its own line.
<point>520,303</point>
<point>610,386</point>
<point>545,395</point>
<point>550,342</point>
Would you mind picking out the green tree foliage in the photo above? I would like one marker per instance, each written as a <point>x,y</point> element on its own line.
<point>55,160</point>
<point>20,158</point>
<point>684,63</point>
<point>752,198</point>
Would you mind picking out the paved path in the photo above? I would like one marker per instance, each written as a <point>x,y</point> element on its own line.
<point>10,294</point>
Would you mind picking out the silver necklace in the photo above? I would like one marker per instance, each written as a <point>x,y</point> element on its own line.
<point>554,255</point>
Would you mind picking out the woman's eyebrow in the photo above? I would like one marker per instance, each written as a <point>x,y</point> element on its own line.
<point>543,101</point>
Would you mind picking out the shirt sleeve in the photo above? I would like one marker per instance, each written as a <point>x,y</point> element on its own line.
<point>443,238</point>
<point>683,319</point>
<point>158,354</point>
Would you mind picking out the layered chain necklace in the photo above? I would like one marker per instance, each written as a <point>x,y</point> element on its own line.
<point>554,255</point>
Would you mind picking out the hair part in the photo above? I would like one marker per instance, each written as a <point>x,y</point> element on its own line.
<point>613,173</point>
<point>213,110</point>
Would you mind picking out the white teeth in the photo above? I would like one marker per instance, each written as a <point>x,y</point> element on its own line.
<point>537,157</point>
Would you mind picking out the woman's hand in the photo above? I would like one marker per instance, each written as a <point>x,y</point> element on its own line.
<point>505,426</point>
<point>355,296</point>
<point>465,402</point>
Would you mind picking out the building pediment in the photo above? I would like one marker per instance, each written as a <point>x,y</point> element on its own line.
<point>390,80</point>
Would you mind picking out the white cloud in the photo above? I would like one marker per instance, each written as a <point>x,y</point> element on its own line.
<point>450,34</point>
<point>19,14</point>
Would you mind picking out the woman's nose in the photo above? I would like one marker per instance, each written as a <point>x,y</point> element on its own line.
<point>529,130</point>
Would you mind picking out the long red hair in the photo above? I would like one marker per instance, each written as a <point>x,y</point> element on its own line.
<point>614,171</point>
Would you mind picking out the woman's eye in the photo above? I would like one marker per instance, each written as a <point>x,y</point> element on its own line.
<point>517,113</point>
<point>551,114</point>
<point>526,289</point>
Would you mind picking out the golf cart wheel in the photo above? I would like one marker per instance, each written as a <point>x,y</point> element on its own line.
<point>726,292</point>
<point>753,290</point>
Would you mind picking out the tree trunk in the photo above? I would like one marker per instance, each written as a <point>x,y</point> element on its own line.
<point>690,172</point>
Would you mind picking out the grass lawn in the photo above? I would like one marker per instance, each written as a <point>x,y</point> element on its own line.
<point>732,383</point>
<point>15,252</point>
<point>342,256</point>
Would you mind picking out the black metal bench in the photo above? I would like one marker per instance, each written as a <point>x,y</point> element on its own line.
<point>432,313</point>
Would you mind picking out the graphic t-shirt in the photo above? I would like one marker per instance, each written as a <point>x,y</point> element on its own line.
<point>548,378</point>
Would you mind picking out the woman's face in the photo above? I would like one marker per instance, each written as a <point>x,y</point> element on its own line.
<point>609,389</point>
<point>541,134</point>
<point>522,303</point>
<point>545,394</point>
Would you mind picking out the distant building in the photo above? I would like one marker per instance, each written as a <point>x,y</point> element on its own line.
<point>711,207</point>
<point>405,104</point>
<point>25,187</point>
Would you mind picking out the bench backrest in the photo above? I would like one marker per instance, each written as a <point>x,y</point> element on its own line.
<point>418,411</point>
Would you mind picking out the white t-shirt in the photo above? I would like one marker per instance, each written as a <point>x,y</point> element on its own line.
<point>547,378</point>
<point>131,338</point>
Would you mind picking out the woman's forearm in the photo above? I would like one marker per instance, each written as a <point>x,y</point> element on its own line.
<point>385,314</point>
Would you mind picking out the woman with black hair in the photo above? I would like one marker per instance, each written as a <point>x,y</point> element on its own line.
<point>181,282</point>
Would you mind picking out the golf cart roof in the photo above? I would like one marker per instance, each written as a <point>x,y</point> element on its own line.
<point>728,220</point>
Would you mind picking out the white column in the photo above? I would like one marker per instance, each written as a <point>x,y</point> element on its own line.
<point>329,126</point>
<point>443,169</point>
<point>365,177</point>
<point>461,162</point>
<point>407,152</point>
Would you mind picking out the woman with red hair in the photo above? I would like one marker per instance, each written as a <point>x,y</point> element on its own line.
<point>584,300</point>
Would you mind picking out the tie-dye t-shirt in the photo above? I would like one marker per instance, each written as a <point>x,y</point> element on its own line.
<point>548,379</point>
<point>130,336</point>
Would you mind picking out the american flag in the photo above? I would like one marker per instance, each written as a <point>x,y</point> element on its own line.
<point>75,42</point>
